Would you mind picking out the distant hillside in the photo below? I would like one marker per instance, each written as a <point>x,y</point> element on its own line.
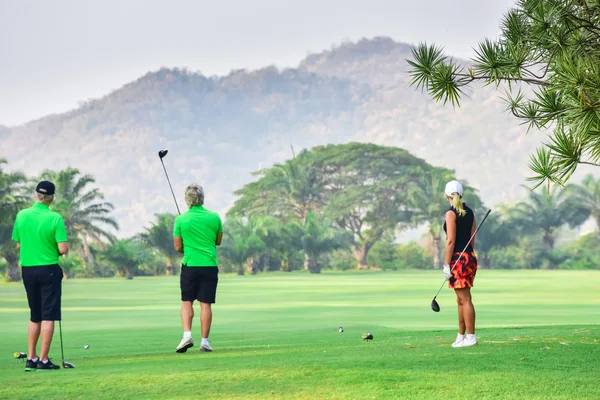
<point>218,130</point>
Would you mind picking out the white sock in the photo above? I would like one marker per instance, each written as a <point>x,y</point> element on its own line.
<point>187,335</point>
<point>471,337</point>
<point>204,340</point>
<point>35,359</point>
<point>459,336</point>
<point>45,362</point>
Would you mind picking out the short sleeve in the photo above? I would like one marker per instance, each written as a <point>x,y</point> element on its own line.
<point>176,228</point>
<point>61,231</point>
<point>15,233</point>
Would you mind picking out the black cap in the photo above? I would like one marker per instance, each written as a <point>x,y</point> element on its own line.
<point>45,187</point>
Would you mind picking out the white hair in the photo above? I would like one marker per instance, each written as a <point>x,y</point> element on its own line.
<point>194,195</point>
<point>43,198</point>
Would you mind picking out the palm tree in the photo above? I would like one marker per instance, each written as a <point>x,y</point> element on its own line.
<point>587,195</point>
<point>12,200</point>
<point>288,191</point>
<point>319,237</point>
<point>242,241</point>
<point>85,213</point>
<point>547,213</point>
<point>126,256</point>
<point>160,237</point>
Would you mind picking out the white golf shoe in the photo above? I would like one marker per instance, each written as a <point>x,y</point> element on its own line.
<point>459,339</point>
<point>466,342</point>
<point>184,345</point>
<point>205,347</point>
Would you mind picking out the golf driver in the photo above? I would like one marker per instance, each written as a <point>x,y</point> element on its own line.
<point>62,352</point>
<point>161,155</point>
<point>434,304</point>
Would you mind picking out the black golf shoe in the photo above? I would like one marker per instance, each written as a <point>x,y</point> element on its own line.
<point>30,366</point>
<point>48,366</point>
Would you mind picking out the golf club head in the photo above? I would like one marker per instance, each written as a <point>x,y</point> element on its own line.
<point>67,365</point>
<point>435,306</point>
<point>18,354</point>
<point>162,153</point>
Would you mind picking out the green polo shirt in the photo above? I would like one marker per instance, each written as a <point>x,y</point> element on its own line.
<point>198,228</point>
<point>39,230</point>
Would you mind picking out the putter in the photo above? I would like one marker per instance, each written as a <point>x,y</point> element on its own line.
<point>62,352</point>
<point>161,155</point>
<point>434,304</point>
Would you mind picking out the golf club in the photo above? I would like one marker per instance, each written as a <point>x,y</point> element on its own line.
<point>19,354</point>
<point>161,155</point>
<point>434,304</point>
<point>62,352</point>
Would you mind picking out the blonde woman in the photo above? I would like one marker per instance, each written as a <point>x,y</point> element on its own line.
<point>459,227</point>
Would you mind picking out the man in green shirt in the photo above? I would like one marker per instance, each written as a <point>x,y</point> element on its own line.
<point>197,233</point>
<point>41,237</point>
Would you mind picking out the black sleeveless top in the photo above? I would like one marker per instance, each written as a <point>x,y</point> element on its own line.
<point>464,225</point>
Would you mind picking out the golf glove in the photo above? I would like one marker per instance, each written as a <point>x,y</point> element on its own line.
<point>447,273</point>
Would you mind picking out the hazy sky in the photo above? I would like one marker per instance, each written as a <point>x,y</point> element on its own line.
<point>56,53</point>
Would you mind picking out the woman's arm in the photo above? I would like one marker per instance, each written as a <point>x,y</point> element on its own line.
<point>450,236</point>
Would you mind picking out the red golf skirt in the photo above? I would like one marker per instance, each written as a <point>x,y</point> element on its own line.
<point>464,272</point>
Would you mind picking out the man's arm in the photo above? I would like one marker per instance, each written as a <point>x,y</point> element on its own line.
<point>219,238</point>
<point>18,246</point>
<point>60,235</point>
<point>178,243</point>
<point>63,248</point>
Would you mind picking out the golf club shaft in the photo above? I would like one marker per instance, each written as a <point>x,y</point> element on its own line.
<point>62,352</point>
<point>168,180</point>
<point>465,249</point>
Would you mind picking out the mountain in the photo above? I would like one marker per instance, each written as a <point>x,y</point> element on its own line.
<point>220,129</point>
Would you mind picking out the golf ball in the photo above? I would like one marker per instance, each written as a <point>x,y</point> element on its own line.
<point>341,329</point>
<point>87,346</point>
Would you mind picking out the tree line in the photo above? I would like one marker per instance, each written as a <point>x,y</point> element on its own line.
<point>330,207</point>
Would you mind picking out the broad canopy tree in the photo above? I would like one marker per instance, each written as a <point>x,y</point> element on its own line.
<point>361,188</point>
<point>553,48</point>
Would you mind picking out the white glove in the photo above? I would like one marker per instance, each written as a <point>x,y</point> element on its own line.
<point>447,273</point>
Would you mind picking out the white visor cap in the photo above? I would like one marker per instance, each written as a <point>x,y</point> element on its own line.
<point>453,187</point>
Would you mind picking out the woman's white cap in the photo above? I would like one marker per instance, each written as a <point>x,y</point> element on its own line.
<point>453,187</point>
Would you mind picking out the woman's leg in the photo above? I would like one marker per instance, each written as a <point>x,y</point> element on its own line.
<point>466,310</point>
<point>461,318</point>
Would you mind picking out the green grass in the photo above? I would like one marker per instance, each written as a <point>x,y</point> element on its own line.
<point>276,336</point>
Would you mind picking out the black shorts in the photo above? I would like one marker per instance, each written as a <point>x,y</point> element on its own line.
<point>199,283</point>
<point>44,290</point>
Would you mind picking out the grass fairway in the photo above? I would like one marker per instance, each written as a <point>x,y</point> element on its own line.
<point>276,336</point>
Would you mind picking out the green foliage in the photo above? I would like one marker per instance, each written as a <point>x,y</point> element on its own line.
<point>319,238</point>
<point>127,256</point>
<point>546,213</point>
<point>528,253</point>
<point>584,253</point>
<point>342,260</point>
<point>413,256</point>
<point>365,186</point>
<point>288,190</point>
<point>85,213</point>
<point>160,237</point>
<point>552,46</point>
<point>12,200</point>
<point>73,266</point>
<point>242,241</point>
